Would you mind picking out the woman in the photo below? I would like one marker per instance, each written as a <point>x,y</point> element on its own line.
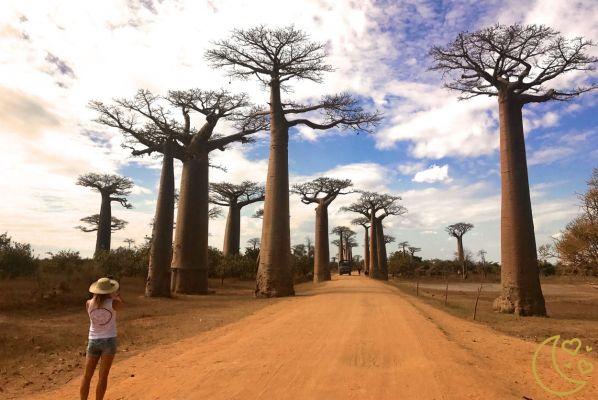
<point>102,333</point>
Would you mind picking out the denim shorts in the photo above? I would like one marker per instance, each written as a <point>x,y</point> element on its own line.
<point>102,347</point>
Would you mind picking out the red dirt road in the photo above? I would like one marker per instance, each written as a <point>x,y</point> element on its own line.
<point>352,338</point>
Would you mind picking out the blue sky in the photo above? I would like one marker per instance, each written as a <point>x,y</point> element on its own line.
<point>438,153</point>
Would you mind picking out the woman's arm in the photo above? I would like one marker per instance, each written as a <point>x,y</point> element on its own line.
<point>117,301</point>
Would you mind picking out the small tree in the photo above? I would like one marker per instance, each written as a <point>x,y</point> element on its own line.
<point>457,231</point>
<point>578,245</point>
<point>322,192</point>
<point>404,245</point>
<point>254,243</point>
<point>275,57</point>
<point>112,188</point>
<point>235,197</point>
<point>389,239</point>
<point>514,63</point>
<point>413,250</point>
<point>129,242</point>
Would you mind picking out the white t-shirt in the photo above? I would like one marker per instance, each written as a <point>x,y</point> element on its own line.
<point>102,320</point>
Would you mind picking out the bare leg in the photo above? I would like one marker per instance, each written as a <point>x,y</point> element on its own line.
<point>90,367</point>
<point>105,365</point>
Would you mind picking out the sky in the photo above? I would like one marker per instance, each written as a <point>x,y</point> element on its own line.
<point>436,152</point>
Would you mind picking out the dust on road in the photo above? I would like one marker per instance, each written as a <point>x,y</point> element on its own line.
<point>351,338</point>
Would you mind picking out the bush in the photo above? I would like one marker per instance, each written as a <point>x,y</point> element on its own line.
<point>302,267</point>
<point>63,262</point>
<point>16,259</point>
<point>123,262</point>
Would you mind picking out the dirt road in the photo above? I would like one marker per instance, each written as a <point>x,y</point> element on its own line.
<point>352,338</point>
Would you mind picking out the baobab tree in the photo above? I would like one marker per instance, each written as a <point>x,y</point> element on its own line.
<point>235,197</point>
<point>342,232</point>
<point>322,192</point>
<point>93,224</point>
<point>514,63</point>
<point>350,242</point>
<point>152,140</point>
<point>254,243</point>
<point>275,57</point>
<point>457,231</point>
<point>369,205</point>
<point>364,222</point>
<point>389,239</point>
<point>112,188</point>
<point>192,145</point>
<point>404,246</point>
<point>129,242</point>
<point>413,250</point>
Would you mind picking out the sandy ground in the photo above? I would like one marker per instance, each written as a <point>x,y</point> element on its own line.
<point>352,338</point>
<point>587,291</point>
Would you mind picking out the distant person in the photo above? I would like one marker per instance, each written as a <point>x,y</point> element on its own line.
<point>102,334</point>
<point>359,269</point>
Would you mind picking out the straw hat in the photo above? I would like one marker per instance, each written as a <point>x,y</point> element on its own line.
<point>104,286</point>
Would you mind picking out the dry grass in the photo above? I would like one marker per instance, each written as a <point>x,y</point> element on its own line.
<point>572,306</point>
<point>42,342</point>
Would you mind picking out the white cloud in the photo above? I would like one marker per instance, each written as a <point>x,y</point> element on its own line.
<point>548,155</point>
<point>434,173</point>
<point>410,168</point>
<point>437,123</point>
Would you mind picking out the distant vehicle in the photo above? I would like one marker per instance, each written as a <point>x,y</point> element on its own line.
<point>345,267</point>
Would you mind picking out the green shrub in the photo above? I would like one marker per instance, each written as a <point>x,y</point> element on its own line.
<point>123,262</point>
<point>16,259</point>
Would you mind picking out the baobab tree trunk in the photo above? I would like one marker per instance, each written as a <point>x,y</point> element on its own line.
<point>158,274</point>
<point>521,290</point>
<point>341,248</point>
<point>461,256</point>
<point>381,250</point>
<point>322,250</point>
<point>373,249</point>
<point>366,251</point>
<point>190,258</point>
<point>104,226</point>
<point>232,235</point>
<point>274,275</point>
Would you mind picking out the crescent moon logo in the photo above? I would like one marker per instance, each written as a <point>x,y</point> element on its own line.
<point>100,316</point>
<point>572,348</point>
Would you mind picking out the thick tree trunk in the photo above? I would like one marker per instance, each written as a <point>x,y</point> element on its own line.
<point>104,226</point>
<point>373,248</point>
<point>190,258</point>
<point>274,275</point>
<point>158,274</point>
<point>341,248</point>
<point>381,249</point>
<point>461,255</point>
<point>232,235</point>
<point>366,251</point>
<point>521,290</point>
<point>322,250</point>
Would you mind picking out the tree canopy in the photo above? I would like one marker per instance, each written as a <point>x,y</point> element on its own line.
<point>459,229</point>
<point>516,59</point>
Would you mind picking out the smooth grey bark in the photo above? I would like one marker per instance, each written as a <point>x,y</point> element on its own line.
<point>190,258</point>
<point>321,248</point>
<point>232,234</point>
<point>104,234</point>
<point>160,258</point>
<point>520,278</point>
<point>274,275</point>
